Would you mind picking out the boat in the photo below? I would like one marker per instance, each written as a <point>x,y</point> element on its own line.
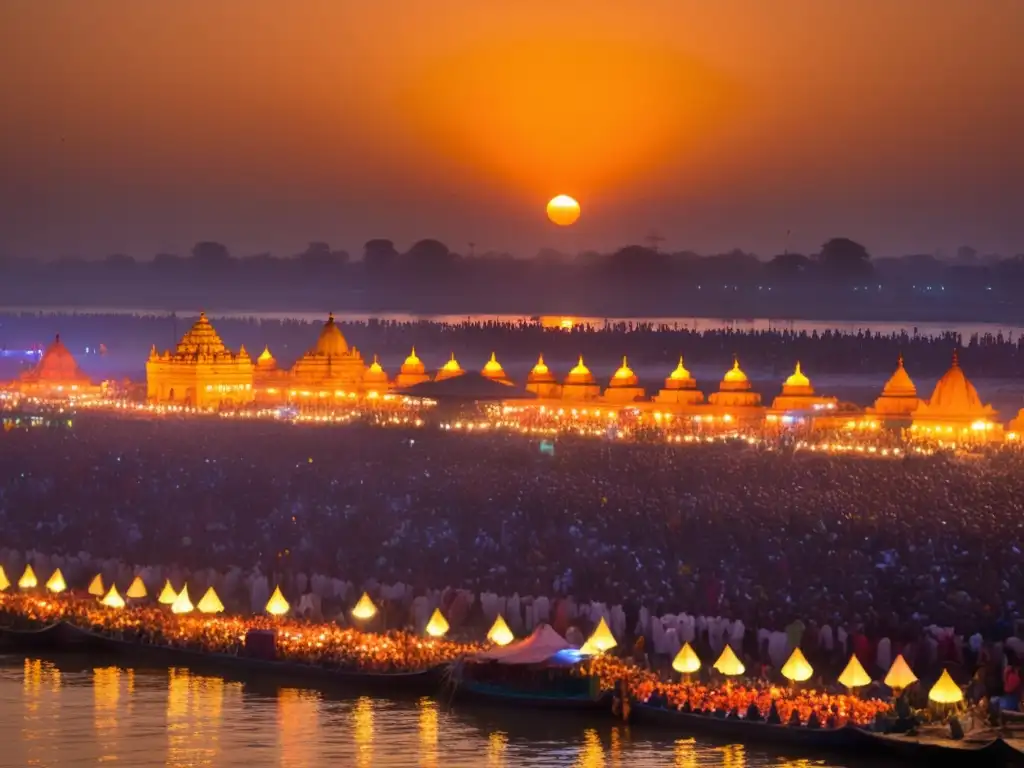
<point>64,636</point>
<point>539,672</point>
<point>924,748</point>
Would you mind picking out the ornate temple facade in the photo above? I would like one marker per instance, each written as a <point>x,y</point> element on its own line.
<point>331,369</point>
<point>201,372</point>
<point>56,374</point>
<point>898,400</point>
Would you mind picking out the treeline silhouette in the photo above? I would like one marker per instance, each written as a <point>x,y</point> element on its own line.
<point>840,281</point>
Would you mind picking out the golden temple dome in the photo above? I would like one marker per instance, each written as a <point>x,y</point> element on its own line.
<point>492,368</point>
<point>735,375</point>
<point>541,368</point>
<point>375,373</point>
<point>266,360</point>
<point>449,369</point>
<point>201,340</point>
<point>954,394</point>
<point>680,373</point>
<point>797,378</point>
<point>580,374</point>
<point>899,384</point>
<point>412,364</point>
<point>624,376</point>
<point>331,342</point>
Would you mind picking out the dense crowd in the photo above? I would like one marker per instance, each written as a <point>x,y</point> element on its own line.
<point>769,537</point>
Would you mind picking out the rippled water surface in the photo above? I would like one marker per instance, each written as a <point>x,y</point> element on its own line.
<point>71,712</point>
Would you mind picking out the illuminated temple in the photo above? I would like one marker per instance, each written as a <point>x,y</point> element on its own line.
<point>898,400</point>
<point>580,384</point>
<point>542,382</point>
<point>954,411</point>
<point>412,372</point>
<point>680,388</point>
<point>56,373</point>
<point>331,369</point>
<point>798,395</point>
<point>201,372</point>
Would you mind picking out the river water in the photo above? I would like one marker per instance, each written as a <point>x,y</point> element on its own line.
<point>71,712</point>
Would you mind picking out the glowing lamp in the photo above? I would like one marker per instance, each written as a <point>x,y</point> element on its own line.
<point>602,639</point>
<point>113,599</point>
<point>28,579</point>
<point>854,675</point>
<point>277,605</point>
<point>365,609</point>
<point>167,595</point>
<point>900,675</point>
<point>181,603</point>
<point>4,581</point>
<point>728,664</point>
<point>499,633</point>
<point>686,661</point>
<point>136,590</point>
<point>797,669</point>
<point>56,583</point>
<point>210,603</point>
<point>96,588</point>
<point>945,691</point>
<point>437,626</point>
<point>588,649</point>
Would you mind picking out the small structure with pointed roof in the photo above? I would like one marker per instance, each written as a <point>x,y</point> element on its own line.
<point>56,373</point>
<point>412,372</point>
<point>449,370</point>
<point>375,379</point>
<point>542,382</point>
<point>270,382</point>
<point>200,372</point>
<point>680,388</point>
<point>624,386</point>
<point>579,383</point>
<point>735,390</point>
<point>798,395</point>
<point>492,370</point>
<point>330,367</point>
<point>955,412</point>
<point>899,396</point>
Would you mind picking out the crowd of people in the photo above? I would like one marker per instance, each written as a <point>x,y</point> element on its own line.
<point>883,547</point>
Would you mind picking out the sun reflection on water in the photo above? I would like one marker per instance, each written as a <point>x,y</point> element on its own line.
<point>362,716</point>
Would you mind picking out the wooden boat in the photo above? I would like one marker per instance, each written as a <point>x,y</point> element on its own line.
<point>920,749</point>
<point>44,639</point>
<point>419,681</point>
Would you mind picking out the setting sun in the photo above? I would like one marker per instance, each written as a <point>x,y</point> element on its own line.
<point>563,210</point>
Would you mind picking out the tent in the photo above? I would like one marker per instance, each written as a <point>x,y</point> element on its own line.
<point>539,647</point>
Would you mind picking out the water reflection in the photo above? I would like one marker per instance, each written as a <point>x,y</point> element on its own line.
<point>40,711</point>
<point>195,712</point>
<point>591,754</point>
<point>298,726</point>
<point>362,717</point>
<point>428,732</point>
<point>734,756</point>
<point>106,690</point>
<point>497,743</point>
<point>685,754</point>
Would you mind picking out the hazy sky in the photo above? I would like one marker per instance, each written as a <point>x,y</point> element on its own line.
<point>140,127</point>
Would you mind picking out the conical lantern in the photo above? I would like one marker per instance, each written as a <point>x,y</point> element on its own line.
<point>365,609</point>
<point>113,598</point>
<point>945,691</point>
<point>96,588</point>
<point>602,638</point>
<point>56,583</point>
<point>438,625</point>
<point>277,605</point>
<point>167,594</point>
<point>686,661</point>
<point>797,669</point>
<point>28,579</point>
<point>854,675</point>
<point>210,603</point>
<point>181,603</point>
<point>900,675</point>
<point>4,581</point>
<point>729,664</point>
<point>136,590</point>
<point>499,633</point>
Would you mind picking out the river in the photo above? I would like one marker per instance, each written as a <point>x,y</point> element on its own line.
<point>71,712</point>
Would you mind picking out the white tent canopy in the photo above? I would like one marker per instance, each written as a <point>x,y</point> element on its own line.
<point>535,649</point>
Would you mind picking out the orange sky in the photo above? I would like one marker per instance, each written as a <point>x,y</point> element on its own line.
<point>142,126</point>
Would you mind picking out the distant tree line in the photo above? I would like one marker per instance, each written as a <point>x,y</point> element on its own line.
<point>431,277</point>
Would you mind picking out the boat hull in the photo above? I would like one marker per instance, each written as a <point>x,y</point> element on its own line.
<point>501,696</point>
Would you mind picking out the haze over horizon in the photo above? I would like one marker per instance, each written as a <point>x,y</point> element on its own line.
<point>142,128</point>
